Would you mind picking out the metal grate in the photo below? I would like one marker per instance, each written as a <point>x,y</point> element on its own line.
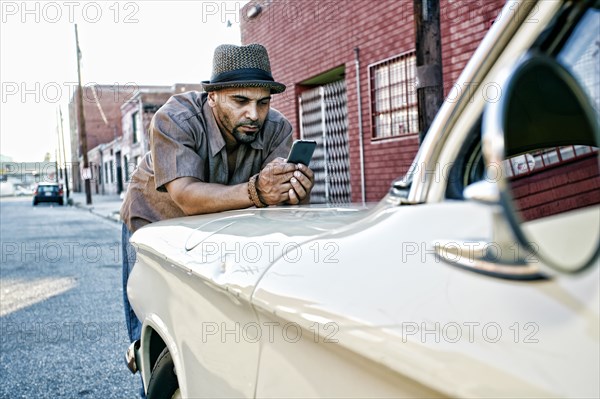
<point>311,128</point>
<point>324,118</point>
<point>393,96</point>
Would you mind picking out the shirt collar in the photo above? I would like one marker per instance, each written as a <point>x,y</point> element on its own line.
<point>215,138</point>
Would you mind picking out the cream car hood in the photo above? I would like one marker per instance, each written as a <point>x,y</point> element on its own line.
<point>233,249</point>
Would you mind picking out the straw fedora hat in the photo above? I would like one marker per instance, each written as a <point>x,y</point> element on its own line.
<point>241,66</point>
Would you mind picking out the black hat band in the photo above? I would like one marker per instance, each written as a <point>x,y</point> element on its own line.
<point>243,74</point>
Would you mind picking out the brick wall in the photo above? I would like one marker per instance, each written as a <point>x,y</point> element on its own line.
<point>559,188</point>
<point>306,39</point>
<point>108,99</point>
<point>463,24</point>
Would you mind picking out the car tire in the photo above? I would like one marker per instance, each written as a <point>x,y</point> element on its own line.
<point>60,202</point>
<point>163,380</point>
<point>35,203</point>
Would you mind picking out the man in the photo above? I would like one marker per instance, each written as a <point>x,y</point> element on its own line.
<point>214,151</point>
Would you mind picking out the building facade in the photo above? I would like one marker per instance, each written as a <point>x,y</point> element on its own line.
<point>136,116</point>
<point>349,68</point>
<point>113,161</point>
<point>102,113</point>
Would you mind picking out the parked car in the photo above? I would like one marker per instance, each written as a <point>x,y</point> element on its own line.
<point>22,191</point>
<point>48,192</point>
<point>476,276</point>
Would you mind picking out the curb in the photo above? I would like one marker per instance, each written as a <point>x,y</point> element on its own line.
<point>114,216</point>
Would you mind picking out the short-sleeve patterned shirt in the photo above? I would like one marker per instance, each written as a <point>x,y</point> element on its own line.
<point>186,141</point>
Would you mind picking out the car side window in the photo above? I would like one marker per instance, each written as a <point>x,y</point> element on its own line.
<point>560,174</point>
<point>581,55</point>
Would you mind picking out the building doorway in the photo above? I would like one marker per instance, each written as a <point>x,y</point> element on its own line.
<point>324,118</point>
<point>119,172</point>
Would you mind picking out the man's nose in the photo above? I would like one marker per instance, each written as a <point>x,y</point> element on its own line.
<point>252,112</point>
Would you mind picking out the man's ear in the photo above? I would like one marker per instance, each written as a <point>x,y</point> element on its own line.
<point>212,98</point>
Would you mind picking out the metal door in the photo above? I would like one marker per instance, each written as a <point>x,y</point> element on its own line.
<point>324,118</point>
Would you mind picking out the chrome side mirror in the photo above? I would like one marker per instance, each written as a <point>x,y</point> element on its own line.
<point>543,135</point>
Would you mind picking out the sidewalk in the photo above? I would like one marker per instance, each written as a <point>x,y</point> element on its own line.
<point>106,206</point>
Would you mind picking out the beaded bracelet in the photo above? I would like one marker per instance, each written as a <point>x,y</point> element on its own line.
<point>253,193</point>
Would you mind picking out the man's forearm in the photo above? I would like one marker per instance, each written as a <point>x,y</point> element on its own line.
<point>195,197</point>
<point>277,183</point>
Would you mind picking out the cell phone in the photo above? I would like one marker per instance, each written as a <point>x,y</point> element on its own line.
<point>302,151</point>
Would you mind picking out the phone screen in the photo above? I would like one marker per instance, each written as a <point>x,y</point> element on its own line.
<point>302,151</point>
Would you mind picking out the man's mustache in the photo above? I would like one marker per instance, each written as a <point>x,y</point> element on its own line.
<point>249,124</point>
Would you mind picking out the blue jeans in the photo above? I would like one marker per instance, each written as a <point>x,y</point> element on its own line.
<point>134,326</point>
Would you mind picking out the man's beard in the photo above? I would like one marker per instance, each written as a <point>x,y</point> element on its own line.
<point>246,138</point>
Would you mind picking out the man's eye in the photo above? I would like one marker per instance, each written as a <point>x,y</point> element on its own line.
<point>265,102</point>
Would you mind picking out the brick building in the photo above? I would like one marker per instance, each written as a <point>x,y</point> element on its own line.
<point>312,46</point>
<point>102,111</point>
<point>113,161</point>
<point>137,114</point>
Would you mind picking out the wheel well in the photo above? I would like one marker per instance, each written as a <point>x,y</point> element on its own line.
<point>155,348</point>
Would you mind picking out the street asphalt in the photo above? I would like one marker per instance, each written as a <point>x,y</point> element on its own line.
<point>62,325</point>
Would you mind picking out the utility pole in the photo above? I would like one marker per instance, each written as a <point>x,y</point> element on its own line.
<point>58,162</point>
<point>430,91</point>
<point>64,157</point>
<point>82,132</point>
<point>57,172</point>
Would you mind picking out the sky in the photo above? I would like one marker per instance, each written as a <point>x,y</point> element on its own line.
<point>144,42</point>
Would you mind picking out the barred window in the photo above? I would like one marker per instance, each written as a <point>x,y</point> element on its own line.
<point>393,96</point>
<point>540,159</point>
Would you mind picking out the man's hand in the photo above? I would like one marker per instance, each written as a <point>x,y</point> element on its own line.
<point>273,184</point>
<point>302,183</point>
<point>282,182</point>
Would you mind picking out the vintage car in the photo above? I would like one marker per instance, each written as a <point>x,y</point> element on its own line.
<point>476,276</point>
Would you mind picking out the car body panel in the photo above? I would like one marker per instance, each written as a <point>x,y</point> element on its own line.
<point>234,249</point>
<point>213,282</point>
<point>178,319</point>
<point>431,317</point>
<point>426,317</point>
